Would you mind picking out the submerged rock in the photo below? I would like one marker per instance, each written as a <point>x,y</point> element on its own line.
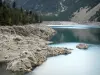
<point>82,46</point>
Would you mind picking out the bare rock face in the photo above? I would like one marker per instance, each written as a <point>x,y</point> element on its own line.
<point>82,46</point>
<point>25,47</point>
<point>29,59</point>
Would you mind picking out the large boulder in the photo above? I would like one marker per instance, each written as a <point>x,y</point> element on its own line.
<point>82,46</point>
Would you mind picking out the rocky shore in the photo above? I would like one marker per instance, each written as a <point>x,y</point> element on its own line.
<point>24,47</point>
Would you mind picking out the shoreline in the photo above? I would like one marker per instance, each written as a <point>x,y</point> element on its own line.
<point>24,47</point>
<point>69,23</point>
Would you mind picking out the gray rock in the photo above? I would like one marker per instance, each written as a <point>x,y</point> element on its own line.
<point>82,46</point>
<point>25,47</point>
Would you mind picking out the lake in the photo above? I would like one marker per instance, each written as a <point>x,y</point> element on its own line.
<point>79,62</point>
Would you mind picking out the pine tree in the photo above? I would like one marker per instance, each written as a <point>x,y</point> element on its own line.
<point>15,16</point>
<point>0,3</point>
<point>14,4</point>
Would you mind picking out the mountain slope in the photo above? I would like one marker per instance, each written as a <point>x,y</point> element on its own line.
<point>74,10</point>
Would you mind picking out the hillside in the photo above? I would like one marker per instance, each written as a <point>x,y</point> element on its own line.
<point>70,10</point>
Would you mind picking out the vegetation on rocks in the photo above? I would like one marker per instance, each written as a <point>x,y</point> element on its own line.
<point>10,15</point>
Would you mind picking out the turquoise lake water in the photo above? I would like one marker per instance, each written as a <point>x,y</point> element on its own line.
<point>79,62</point>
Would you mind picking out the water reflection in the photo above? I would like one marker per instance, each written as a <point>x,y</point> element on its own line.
<point>80,62</point>
<point>86,35</point>
<point>90,35</point>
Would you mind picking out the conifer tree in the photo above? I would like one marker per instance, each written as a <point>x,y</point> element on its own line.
<point>15,16</point>
<point>14,4</point>
<point>0,3</point>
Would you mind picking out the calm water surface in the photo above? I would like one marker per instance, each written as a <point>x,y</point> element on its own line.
<point>79,62</point>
